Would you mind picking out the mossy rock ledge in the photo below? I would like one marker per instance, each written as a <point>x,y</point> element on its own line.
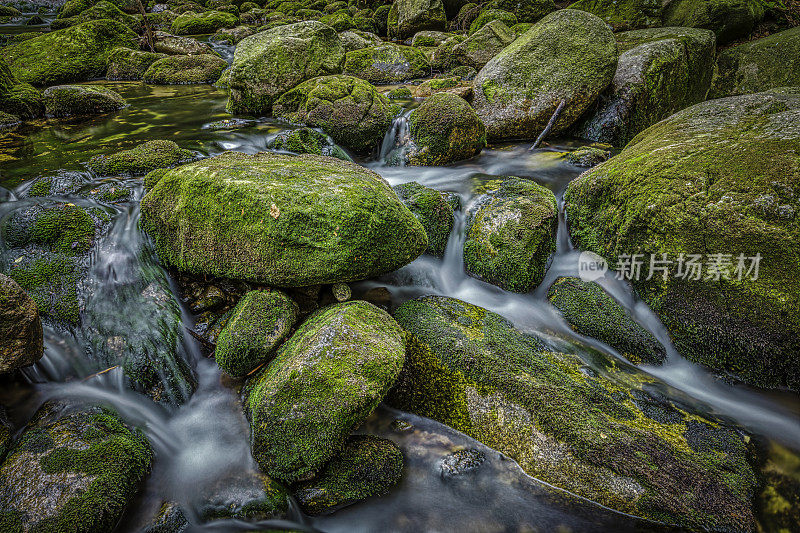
<point>282,220</point>
<point>325,380</point>
<point>444,129</point>
<point>569,56</point>
<point>73,464</point>
<point>720,177</point>
<point>600,436</point>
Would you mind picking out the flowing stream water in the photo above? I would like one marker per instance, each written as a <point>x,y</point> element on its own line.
<point>206,439</point>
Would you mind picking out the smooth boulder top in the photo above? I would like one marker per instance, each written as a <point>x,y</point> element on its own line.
<point>569,56</point>
<point>283,220</point>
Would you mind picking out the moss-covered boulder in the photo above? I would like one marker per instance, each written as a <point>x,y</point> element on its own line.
<point>21,100</point>
<point>511,232</point>
<point>127,64</point>
<point>590,311</point>
<point>660,71</point>
<point>408,17</point>
<point>73,54</point>
<point>625,15</point>
<point>339,21</point>
<point>259,324</point>
<point>307,141</point>
<point>356,41</point>
<point>599,435</point>
<point>483,45</point>
<point>717,178</point>
<point>429,38</point>
<point>348,109</point>
<point>759,65</point>
<point>488,15</point>
<point>181,70</point>
<point>569,56</point>
<point>283,220</point>
<point>20,329</point>
<point>141,159</point>
<point>441,58</point>
<point>74,468</point>
<point>588,156</point>
<point>326,379</point>
<point>267,64</point>
<point>100,11</point>
<point>166,43</point>
<point>728,19</point>
<point>367,466</point>
<point>191,23</point>
<point>81,100</point>
<point>434,209</point>
<point>72,8</point>
<point>444,129</point>
<point>388,63</point>
<point>526,11</point>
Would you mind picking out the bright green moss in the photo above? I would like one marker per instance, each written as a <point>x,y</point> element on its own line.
<point>72,8</point>
<point>66,228</point>
<point>728,19</point>
<point>488,15</point>
<point>259,324</point>
<point>445,129</point>
<point>625,14</point>
<point>388,63</point>
<point>307,141</point>
<point>326,379</point>
<point>191,23</point>
<point>51,280</point>
<point>367,466</point>
<point>433,209</point>
<point>400,93</point>
<point>153,177</point>
<point>528,11</point>
<point>407,17</point>
<point>81,100</point>
<point>127,64</point>
<point>18,99</point>
<point>590,311</point>
<point>144,158</point>
<point>180,70</point>
<point>339,21</point>
<point>511,232</point>
<point>100,11</point>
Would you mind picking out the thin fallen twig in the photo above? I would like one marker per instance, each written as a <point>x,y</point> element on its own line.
<point>549,126</point>
<point>100,373</point>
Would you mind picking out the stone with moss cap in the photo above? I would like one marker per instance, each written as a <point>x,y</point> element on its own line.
<point>283,220</point>
<point>128,64</point>
<point>348,109</point>
<point>73,465</point>
<point>569,56</point>
<point>20,100</point>
<point>596,434</point>
<point>444,129</point>
<point>73,54</point>
<point>526,11</point>
<point>728,19</point>
<point>408,17</point>
<point>259,324</point>
<point>660,71</point>
<point>624,15</point>
<point>759,65</point>
<point>720,177</point>
<point>326,379</point>
<point>488,15</point>
<point>483,45</point>
<point>181,70</point>
<point>267,64</point>
<point>434,209</point>
<point>307,141</point>
<point>81,100</point>
<point>511,232</point>
<point>590,311</point>
<point>100,11</point>
<point>367,466</point>
<point>191,23</point>
<point>388,63</point>
<point>72,8</point>
<point>20,330</point>
<point>140,160</point>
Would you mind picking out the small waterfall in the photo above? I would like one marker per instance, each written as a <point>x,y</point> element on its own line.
<point>397,142</point>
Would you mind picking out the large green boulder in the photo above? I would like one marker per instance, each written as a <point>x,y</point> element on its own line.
<point>624,15</point>
<point>191,23</point>
<point>367,466</point>
<point>181,70</point>
<point>268,64</point>
<point>166,43</point>
<point>20,329</point>
<point>510,234</point>
<point>483,45</point>
<point>21,100</point>
<point>258,325</point>
<point>598,435</point>
<point>434,209</point>
<point>73,54</point>
<point>660,71</point>
<point>283,220</point>
<point>100,11</point>
<point>140,160</point>
<point>759,65</point>
<point>72,8</point>
<point>348,109</point>
<point>488,15</point>
<point>128,64</point>
<point>590,311</point>
<point>525,10</point>
<point>444,129</point>
<point>325,380</point>
<point>408,17</point>
<point>385,64</point>
<point>728,19</point>
<point>81,100</point>
<point>74,468</point>
<point>716,178</point>
<point>569,56</point>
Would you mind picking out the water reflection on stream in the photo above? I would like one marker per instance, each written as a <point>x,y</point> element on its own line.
<point>208,438</point>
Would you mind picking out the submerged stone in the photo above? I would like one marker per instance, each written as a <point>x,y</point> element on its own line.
<point>251,496</point>
<point>600,436</point>
<point>462,462</point>
<point>283,220</point>
<point>367,466</point>
<point>720,177</point>
<point>326,379</point>
<point>144,158</point>
<point>20,328</point>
